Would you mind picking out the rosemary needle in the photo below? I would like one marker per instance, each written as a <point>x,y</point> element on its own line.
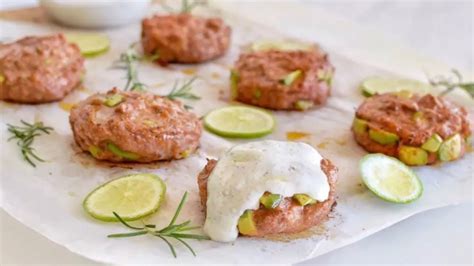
<point>449,84</point>
<point>25,135</point>
<point>178,232</point>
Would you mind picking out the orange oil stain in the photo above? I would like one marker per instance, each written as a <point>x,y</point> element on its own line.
<point>189,71</point>
<point>66,106</point>
<point>296,135</point>
<point>215,75</point>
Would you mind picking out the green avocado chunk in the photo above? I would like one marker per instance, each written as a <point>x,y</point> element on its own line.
<point>121,153</point>
<point>292,77</point>
<point>234,80</point>
<point>303,105</point>
<point>432,144</point>
<point>325,75</point>
<point>451,148</point>
<point>359,126</point>
<point>304,199</point>
<point>271,201</point>
<point>257,93</point>
<point>113,100</point>
<point>94,151</point>
<point>383,137</point>
<point>246,223</point>
<point>412,155</point>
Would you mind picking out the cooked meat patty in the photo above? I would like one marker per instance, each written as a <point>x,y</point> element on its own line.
<point>134,126</point>
<point>418,130</point>
<point>289,216</point>
<point>184,38</point>
<point>282,80</point>
<point>39,69</point>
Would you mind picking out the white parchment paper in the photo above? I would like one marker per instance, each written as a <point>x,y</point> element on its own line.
<point>49,198</point>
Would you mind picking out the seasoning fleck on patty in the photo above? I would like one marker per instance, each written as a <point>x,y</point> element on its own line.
<point>290,216</point>
<point>184,38</point>
<point>417,130</point>
<point>282,80</point>
<point>39,69</point>
<point>123,126</point>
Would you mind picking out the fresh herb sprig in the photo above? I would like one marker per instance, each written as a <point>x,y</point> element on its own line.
<point>451,83</point>
<point>25,135</point>
<point>129,61</point>
<point>178,232</point>
<point>186,6</point>
<point>183,92</point>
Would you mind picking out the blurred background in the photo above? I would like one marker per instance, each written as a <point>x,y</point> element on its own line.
<point>440,30</point>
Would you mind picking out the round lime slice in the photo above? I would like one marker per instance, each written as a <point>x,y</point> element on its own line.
<point>390,179</point>
<point>90,44</point>
<point>286,45</point>
<point>239,122</point>
<point>379,85</point>
<point>132,197</point>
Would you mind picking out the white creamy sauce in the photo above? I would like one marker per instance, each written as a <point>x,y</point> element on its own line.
<point>246,171</point>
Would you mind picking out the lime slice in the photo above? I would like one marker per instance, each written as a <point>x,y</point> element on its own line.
<point>132,197</point>
<point>379,85</point>
<point>90,44</point>
<point>390,179</point>
<point>239,122</point>
<point>281,46</point>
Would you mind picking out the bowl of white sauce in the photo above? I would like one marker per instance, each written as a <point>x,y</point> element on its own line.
<point>96,13</point>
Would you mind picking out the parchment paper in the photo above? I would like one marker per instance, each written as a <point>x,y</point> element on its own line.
<point>48,198</point>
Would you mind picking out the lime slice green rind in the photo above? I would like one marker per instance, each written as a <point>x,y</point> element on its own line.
<point>380,85</point>
<point>239,122</point>
<point>90,44</point>
<point>390,179</point>
<point>132,197</point>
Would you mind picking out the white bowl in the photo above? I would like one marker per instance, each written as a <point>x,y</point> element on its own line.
<point>96,13</point>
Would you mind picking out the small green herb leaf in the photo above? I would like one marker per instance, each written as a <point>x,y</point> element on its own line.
<point>25,136</point>
<point>183,92</point>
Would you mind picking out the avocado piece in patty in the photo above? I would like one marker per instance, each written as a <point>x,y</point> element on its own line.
<point>451,148</point>
<point>433,143</point>
<point>412,155</point>
<point>383,137</point>
<point>359,126</point>
<point>94,151</point>
<point>246,223</point>
<point>303,105</point>
<point>121,153</point>
<point>291,77</point>
<point>304,199</point>
<point>113,100</point>
<point>271,201</point>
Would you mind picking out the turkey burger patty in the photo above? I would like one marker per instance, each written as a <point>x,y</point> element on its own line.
<point>184,38</point>
<point>134,126</point>
<point>417,130</point>
<point>39,69</point>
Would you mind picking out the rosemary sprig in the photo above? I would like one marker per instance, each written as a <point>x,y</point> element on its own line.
<point>174,231</point>
<point>183,92</point>
<point>129,61</point>
<point>186,6</point>
<point>451,83</point>
<point>25,136</point>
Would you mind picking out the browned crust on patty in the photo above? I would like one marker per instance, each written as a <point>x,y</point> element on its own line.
<point>39,69</point>
<point>185,38</point>
<point>260,75</point>
<point>289,216</point>
<point>396,114</point>
<point>151,126</point>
